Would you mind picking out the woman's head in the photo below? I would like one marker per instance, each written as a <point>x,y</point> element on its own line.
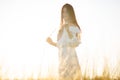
<point>67,14</point>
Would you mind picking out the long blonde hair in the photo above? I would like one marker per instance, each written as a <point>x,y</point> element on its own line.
<point>71,14</point>
<point>72,17</point>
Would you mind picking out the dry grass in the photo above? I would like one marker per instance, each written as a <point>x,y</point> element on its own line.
<point>52,78</point>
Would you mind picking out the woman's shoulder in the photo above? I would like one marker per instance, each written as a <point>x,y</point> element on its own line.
<point>74,28</point>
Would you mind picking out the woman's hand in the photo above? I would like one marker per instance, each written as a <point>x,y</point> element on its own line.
<point>49,40</point>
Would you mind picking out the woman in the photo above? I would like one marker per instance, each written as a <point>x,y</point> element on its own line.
<point>68,39</point>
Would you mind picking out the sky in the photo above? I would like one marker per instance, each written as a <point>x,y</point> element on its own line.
<point>25,25</point>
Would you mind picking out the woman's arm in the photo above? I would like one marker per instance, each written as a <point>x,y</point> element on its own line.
<point>75,36</point>
<point>54,44</point>
<point>69,33</point>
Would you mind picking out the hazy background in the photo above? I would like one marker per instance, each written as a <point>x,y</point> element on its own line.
<point>25,25</point>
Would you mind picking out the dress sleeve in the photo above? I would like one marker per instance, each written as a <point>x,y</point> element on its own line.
<point>74,29</point>
<point>76,40</point>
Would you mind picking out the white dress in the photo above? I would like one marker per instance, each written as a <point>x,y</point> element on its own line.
<point>69,68</point>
